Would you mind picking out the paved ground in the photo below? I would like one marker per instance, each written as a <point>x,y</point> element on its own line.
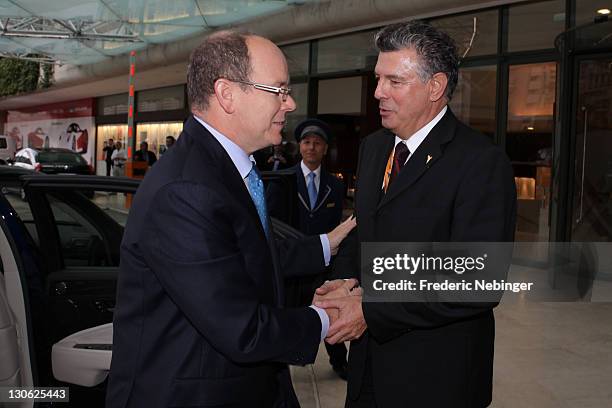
<point>547,355</point>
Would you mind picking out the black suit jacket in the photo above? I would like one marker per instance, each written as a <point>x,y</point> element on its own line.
<point>435,354</point>
<point>327,213</point>
<point>199,318</point>
<point>151,157</point>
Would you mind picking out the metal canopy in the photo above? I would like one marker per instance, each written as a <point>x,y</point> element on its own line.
<point>79,32</point>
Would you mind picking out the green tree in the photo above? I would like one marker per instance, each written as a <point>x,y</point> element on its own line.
<point>21,76</point>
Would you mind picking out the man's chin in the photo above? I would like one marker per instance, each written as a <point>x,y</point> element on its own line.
<point>388,124</point>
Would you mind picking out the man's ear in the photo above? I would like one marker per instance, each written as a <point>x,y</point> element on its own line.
<point>224,94</point>
<point>438,83</point>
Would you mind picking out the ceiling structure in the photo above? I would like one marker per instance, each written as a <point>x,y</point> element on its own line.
<point>81,32</point>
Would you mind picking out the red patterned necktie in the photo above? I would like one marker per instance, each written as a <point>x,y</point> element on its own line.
<point>399,158</point>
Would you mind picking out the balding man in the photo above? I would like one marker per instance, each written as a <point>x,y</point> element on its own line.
<point>199,318</point>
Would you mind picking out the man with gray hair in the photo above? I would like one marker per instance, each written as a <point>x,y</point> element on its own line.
<point>199,319</point>
<point>426,177</point>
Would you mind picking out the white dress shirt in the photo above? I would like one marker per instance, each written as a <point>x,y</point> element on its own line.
<point>306,171</point>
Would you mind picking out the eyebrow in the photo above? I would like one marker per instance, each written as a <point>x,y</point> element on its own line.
<point>391,76</point>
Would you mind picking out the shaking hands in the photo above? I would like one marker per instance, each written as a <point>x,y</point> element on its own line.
<point>341,300</point>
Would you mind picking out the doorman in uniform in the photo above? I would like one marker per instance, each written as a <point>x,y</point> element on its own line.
<point>320,198</point>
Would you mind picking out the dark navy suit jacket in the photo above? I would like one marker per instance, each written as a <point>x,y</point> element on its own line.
<point>199,318</point>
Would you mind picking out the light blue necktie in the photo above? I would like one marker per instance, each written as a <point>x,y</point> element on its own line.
<point>312,189</point>
<point>256,189</point>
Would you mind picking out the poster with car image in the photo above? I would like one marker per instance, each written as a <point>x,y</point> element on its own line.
<point>64,125</point>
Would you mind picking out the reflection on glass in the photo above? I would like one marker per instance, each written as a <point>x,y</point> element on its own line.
<point>113,104</point>
<point>535,26</point>
<point>474,98</point>
<point>346,53</point>
<point>161,99</point>
<point>297,58</point>
<point>474,34</point>
<point>531,103</point>
<point>592,220</point>
<point>586,10</point>
<point>155,135</point>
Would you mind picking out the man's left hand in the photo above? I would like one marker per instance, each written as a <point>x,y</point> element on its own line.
<point>351,324</point>
<point>337,235</point>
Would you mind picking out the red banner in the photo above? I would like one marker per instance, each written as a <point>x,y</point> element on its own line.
<point>60,110</point>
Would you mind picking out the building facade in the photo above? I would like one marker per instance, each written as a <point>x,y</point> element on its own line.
<point>535,76</point>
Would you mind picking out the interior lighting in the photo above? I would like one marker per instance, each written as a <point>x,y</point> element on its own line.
<point>603,11</point>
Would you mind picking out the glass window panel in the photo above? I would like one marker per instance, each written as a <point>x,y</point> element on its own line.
<point>592,192</point>
<point>106,132</point>
<point>161,99</point>
<point>531,104</point>
<point>297,58</point>
<point>535,26</point>
<point>155,135</point>
<point>299,92</point>
<point>474,99</point>
<point>346,53</point>
<point>479,29</point>
<point>113,105</point>
<point>586,10</point>
<point>340,95</point>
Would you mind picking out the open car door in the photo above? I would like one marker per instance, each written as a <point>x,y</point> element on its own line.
<point>77,223</point>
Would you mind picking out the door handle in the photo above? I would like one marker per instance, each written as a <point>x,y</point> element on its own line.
<point>104,306</point>
<point>61,288</point>
<point>585,110</point>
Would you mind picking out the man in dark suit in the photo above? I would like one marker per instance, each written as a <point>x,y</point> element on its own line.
<point>109,148</point>
<point>425,178</point>
<point>145,155</point>
<point>199,318</point>
<point>320,200</point>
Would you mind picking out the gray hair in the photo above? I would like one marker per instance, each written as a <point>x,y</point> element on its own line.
<point>224,54</point>
<point>435,48</point>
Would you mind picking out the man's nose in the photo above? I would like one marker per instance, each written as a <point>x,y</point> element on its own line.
<point>289,104</point>
<point>380,91</point>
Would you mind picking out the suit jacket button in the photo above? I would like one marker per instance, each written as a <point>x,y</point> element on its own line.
<point>311,215</point>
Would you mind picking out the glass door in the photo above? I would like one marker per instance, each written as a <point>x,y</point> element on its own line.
<point>592,189</point>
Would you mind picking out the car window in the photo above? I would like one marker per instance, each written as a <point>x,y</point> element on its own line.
<point>16,197</point>
<point>60,157</point>
<point>22,159</point>
<point>3,144</point>
<point>89,225</point>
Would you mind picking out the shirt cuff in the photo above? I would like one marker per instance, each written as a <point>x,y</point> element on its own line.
<point>324,321</point>
<point>326,248</point>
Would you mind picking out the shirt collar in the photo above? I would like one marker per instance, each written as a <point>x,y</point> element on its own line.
<point>307,171</point>
<point>241,160</point>
<point>417,138</point>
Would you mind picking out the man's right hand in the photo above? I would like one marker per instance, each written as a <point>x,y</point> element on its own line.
<point>336,289</point>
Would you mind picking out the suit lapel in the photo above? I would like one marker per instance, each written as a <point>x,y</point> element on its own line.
<point>324,190</point>
<point>301,188</point>
<point>372,171</point>
<point>426,156</point>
